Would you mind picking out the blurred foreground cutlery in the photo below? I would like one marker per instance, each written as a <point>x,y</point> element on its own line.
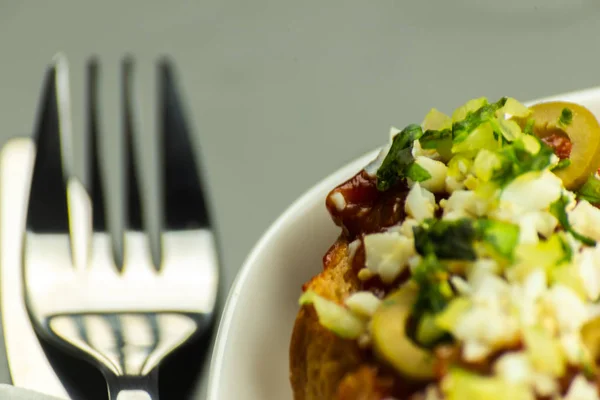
<point>28,364</point>
<point>121,301</point>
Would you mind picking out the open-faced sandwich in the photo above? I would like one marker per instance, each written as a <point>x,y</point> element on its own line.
<point>467,265</point>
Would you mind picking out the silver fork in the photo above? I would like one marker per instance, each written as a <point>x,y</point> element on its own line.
<point>124,311</point>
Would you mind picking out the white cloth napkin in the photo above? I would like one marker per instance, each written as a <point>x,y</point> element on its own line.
<point>8,392</point>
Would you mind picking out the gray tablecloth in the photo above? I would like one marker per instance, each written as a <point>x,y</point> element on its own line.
<point>283,92</point>
<point>11,393</point>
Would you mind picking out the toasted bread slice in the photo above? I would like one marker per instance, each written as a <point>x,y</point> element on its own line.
<point>319,359</point>
<point>324,366</point>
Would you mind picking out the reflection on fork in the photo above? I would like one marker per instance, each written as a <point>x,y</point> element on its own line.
<point>146,337</point>
<point>124,301</point>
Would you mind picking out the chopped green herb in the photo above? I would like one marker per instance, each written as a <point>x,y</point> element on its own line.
<point>462,129</point>
<point>528,129</point>
<point>502,236</point>
<point>432,138</point>
<point>417,173</point>
<point>564,163</point>
<point>454,240</point>
<point>590,190</point>
<point>566,117</point>
<point>516,161</point>
<point>440,140</point>
<point>434,290</point>
<point>446,239</point>
<point>567,250</point>
<point>559,210</point>
<point>399,159</point>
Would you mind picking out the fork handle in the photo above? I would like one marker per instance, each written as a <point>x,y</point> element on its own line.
<point>133,395</point>
<point>133,387</point>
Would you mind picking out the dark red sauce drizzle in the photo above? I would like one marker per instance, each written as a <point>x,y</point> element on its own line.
<point>367,209</point>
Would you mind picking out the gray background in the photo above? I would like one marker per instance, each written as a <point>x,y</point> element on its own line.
<point>284,92</point>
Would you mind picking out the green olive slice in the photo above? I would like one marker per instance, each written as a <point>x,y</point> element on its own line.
<point>390,339</point>
<point>583,131</point>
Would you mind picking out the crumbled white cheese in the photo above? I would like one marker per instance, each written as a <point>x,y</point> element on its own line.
<point>453,184</point>
<point>535,284</point>
<point>466,203</point>
<point>459,202</point>
<point>572,347</point>
<point>554,160</point>
<point>474,351</point>
<point>514,367</point>
<point>490,290</point>
<point>481,268</point>
<point>545,385</point>
<point>545,315</point>
<point>535,223</point>
<point>490,322</point>
<point>363,303</point>
<point>593,310</point>
<point>571,200</point>
<point>587,262</point>
<point>438,171</point>
<point>387,254</point>
<point>585,219</point>
<point>455,215</point>
<point>526,297</point>
<point>570,311</point>
<point>532,191</point>
<point>582,389</point>
<point>546,223</point>
<point>461,285</point>
<point>405,228</point>
<point>485,329</point>
<point>458,199</point>
<point>420,203</point>
<point>338,200</point>
<point>527,229</point>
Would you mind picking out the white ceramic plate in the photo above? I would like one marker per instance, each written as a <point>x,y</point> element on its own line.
<point>250,361</point>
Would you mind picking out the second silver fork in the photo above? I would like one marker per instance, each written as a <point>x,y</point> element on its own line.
<point>123,302</point>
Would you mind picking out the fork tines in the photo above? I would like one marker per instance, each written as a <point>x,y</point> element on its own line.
<point>149,108</point>
<point>47,209</point>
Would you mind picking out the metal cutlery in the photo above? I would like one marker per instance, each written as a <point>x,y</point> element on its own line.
<point>28,364</point>
<point>122,301</point>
